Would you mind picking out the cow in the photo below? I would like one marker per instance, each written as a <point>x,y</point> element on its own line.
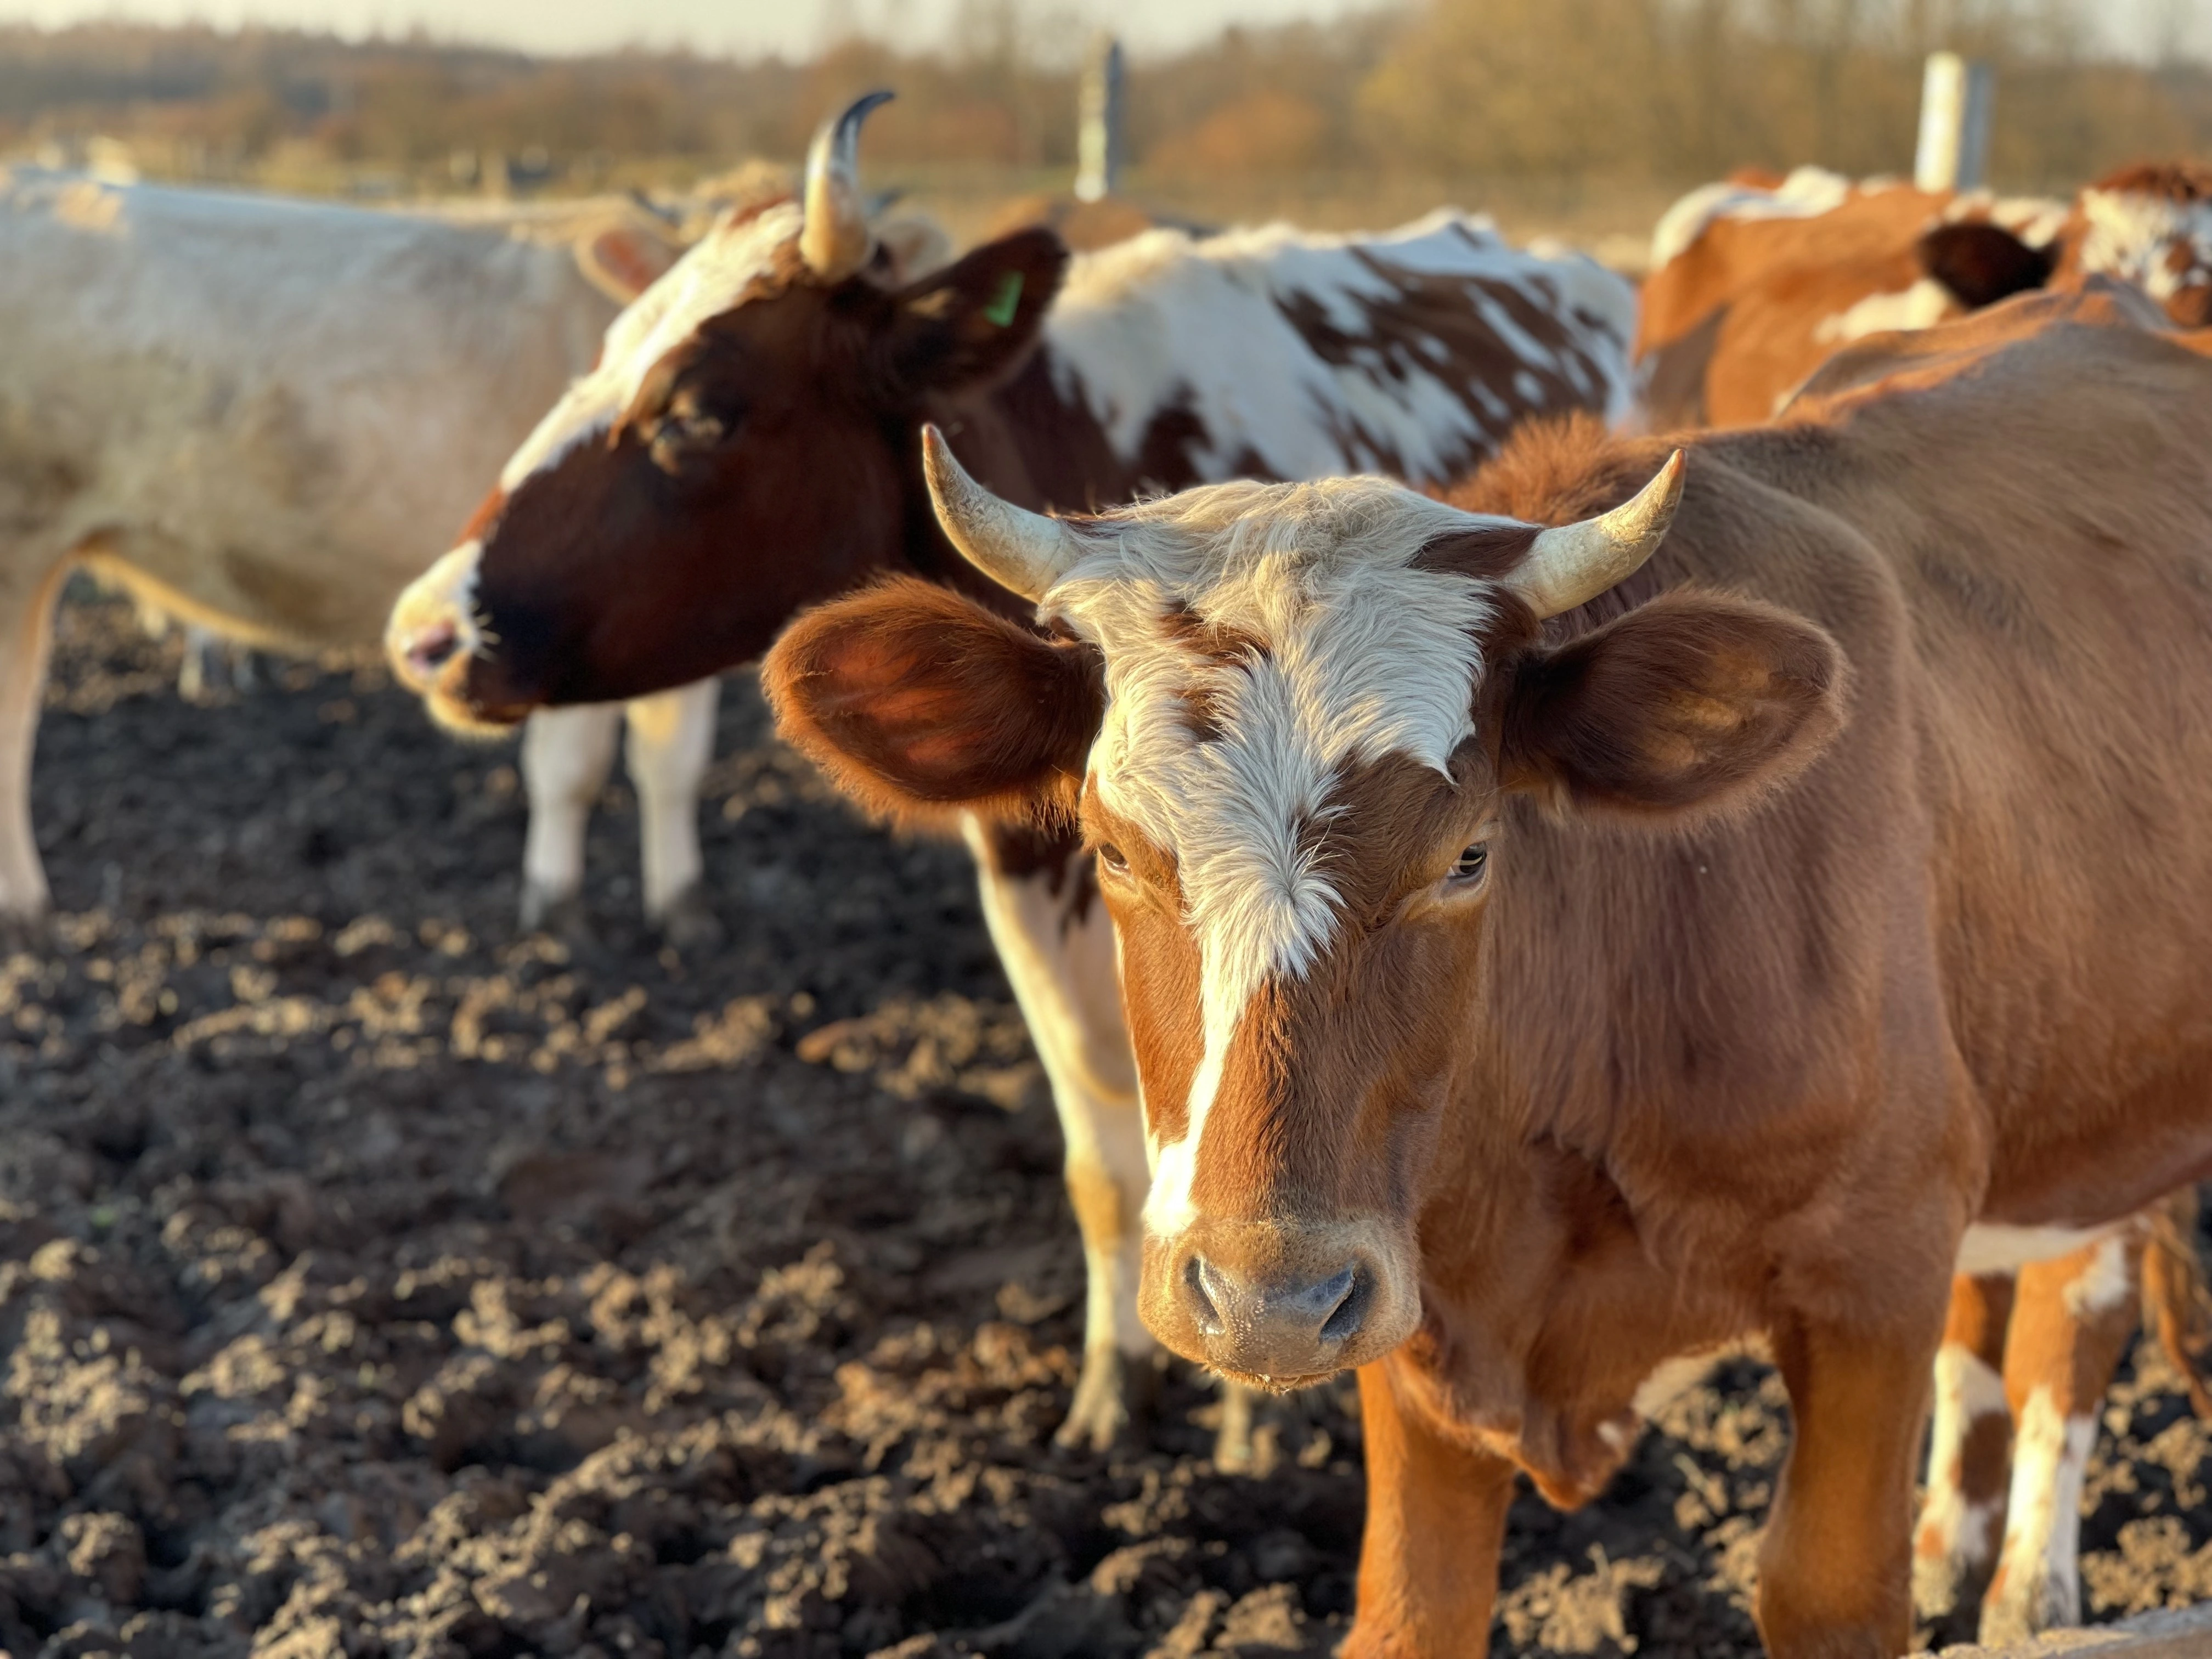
<point>246,411</point>
<point>748,445</point>
<point>1753,282</point>
<point>1641,901</point>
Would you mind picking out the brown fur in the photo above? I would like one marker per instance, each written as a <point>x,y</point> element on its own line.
<point>1655,1088</point>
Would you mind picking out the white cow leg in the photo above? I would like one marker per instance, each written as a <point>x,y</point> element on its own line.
<point>672,740</point>
<point>1057,946</point>
<point>1954,1546</point>
<point>567,754</point>
<point>2073,1319</point>
<point>27,638</point>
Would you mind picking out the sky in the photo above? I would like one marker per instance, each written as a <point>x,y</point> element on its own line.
<point>798,28</point>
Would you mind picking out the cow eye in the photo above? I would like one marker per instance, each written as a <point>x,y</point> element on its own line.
<point>1113,857</point>
<point>1468,869</point>
<point>684,430</point>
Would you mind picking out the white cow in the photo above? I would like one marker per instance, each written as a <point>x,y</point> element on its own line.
<point>256,415</point>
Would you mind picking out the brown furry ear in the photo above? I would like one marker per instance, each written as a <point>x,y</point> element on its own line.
<point>974,322</point>
<point>1981,263</point>
<point>1684,706</point>
<point>919,702</point>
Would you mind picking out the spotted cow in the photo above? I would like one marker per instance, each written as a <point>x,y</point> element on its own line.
<point>1581,924</point>
<point>1755,282</point>
<point>246,411</point>
<point>748,445</point>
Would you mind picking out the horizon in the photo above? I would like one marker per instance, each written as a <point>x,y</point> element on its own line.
<point>2142,29</point>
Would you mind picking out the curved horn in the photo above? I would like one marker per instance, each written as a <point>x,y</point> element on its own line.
<point>1024,552</point>
<point>1573,563</point>
<point>834,240</point>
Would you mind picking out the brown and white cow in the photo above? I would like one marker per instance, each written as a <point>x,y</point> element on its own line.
<point>749,445</point>
<point>1553,952</point>
<point>1755,283</point>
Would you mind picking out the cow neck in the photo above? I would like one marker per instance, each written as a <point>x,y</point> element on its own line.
<point>1030,444</point>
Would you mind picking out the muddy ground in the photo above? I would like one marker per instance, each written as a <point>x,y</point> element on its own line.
<point>373,1280</point>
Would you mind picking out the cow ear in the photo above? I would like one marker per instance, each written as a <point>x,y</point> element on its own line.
<point>920,703</point>
<point>973,322</point>
<point>1981,263</point>
<point>1686,706</point>
<point>623,261</point>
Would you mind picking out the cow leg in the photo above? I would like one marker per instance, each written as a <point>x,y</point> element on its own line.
<point>1041,905</point>
<point>2075,1318</point>
<point>26,614</point>
<point>1954,1547</point>
<point>1435,1524</point>
<point>1835,1565</point>
<point>671,739</point>
<point>566,756</point>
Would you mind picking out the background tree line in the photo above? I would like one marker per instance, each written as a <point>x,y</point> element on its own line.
<point>1651,92</point>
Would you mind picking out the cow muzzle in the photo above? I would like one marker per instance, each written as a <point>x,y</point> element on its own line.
<point>434,636</point>
<point>1280,1305</point>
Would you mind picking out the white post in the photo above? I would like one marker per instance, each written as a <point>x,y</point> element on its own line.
<point>1098,141</point>
<point>1955,96</point>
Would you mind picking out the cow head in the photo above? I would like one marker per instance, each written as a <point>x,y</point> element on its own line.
<point>1290,717</point>
<point>743,447</point>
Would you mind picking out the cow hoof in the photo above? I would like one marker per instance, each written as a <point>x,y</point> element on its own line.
<point>1947,1595</point>
<point>560,915</point>
<point>1114,1400</point>
<point>2012,1616</point>
<point>688,921</point>
<point>25,930</point>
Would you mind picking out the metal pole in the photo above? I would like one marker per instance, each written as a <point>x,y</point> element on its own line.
<point>1955,96</point>
<point>1098,153</point>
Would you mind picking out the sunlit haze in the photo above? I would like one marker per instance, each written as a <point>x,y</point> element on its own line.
<point>798,28</point>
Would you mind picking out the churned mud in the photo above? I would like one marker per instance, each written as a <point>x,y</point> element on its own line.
<point>373,1280</point>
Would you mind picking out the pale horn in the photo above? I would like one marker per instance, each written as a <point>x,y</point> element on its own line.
<point>1024,552</point>
<point>834,240</point>
<point>1573,563</point>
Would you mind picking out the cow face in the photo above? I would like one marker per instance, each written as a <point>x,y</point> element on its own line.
<point>1290,717</point>
<point>743,447</point>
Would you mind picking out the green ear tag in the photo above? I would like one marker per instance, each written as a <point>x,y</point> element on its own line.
<point>1003,303</point>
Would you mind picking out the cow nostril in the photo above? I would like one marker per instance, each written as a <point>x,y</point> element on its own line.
<point>1203,1308</point>
<point>1349,1311</point>
<point>435,645</point>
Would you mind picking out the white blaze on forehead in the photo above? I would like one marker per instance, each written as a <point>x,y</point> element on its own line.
<point>699,287</point>
<point>1361,656</point>
<point>2135,236</point>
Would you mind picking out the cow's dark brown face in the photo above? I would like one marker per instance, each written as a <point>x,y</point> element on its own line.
<point>744,449</point>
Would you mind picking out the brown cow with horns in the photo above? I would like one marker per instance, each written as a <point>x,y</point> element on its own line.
<point>1554,952</point>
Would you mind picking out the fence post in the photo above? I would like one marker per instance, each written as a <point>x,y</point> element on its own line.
<point>1098,153</point>
<point>1955,124</point>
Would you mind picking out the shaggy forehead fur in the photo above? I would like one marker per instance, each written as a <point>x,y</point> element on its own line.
<point>1259,640</point>
<point>2160,242</point>
<point>736,256</point>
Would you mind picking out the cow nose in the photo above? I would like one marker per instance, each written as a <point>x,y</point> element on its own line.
<point>1288,1328</point>
<point>431,647</point>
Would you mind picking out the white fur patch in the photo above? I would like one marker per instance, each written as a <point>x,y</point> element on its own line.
<point>1993,1248</point>
<point>2040,1565</point>
<point>1164,318</point>
<point>1805,194</point>
<point>2135,237</point>
<point>2104,1284</point>
<point>1366,657</point>
<point>1923,305</point>
<point>699,287</point>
